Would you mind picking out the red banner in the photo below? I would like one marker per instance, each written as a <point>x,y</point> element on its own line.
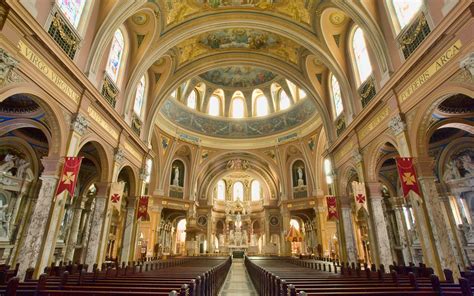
<point>332,207</point>
<point>407,174</point>
<point>69,175</point>
<point>142,207</point>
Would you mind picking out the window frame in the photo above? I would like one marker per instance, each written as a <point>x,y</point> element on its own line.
<point>355,65</point>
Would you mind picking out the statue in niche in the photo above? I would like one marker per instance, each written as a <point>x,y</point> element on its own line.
<point>11,162</point>
<point>300,176</point>
<point>176,176</point>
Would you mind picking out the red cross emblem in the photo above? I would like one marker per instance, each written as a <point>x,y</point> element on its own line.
<point>115,198</point>
<point>360,198</point>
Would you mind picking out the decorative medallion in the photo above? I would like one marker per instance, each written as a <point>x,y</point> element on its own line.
<point>202,221</point>
<point>274,221</point>
<point>140,19</point>
<point>337,18</point>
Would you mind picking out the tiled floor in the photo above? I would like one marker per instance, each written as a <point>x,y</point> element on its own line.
<point>238,282</point>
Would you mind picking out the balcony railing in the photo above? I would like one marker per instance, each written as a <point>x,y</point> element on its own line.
<point>414,35</point>
<point>367,91</point>
<point>63,33</point>
<point>109,90</point>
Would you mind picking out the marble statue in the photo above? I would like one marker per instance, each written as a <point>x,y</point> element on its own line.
<point>8,163</point>
<point>3,219</point>
<point>176,176</point>
<point>300,176</point>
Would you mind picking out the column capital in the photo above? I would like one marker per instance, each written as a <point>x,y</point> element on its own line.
<point>375,189</point>
<point>102,189</point>
<point>79,124</point>
<point>345,202</point>
<point>424,166</point>
<point>118,155</point>
<point>397,124</point>
<point>468,63</point>
<point>7,63</point>
<point>52,165</point>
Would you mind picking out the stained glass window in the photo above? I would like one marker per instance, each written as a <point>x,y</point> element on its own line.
<point>336,96</point>
<point>301,94</point>
<point>72,9</point>
<point>191,103</point>
<point>261,106</point>
<point>214,106</point>
<point>295,224</point>
<point>405,10</point>
<point>256,190</point>
<point>238,108</point>
<point>362,61</point>
<point>238,191</point>
<point>221,190</point>
<point>139,97</point>
<point>115,56</point>
<point>285,101</point>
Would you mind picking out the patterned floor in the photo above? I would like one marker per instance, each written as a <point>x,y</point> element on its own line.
<point>238,282</point>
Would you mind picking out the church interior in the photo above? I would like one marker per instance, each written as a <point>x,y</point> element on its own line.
<point>236,147</point>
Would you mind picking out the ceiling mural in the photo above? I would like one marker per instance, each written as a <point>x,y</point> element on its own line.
<point>179,10</point>
<point>242,39</point>
<point>238,76</point>
<point>227,128</point>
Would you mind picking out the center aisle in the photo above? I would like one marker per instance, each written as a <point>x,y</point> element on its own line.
<point>238,281</point>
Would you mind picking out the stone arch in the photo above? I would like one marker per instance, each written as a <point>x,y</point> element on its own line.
<point>131,174</point>
<point>56,125</point>
<point>422,119</point>
<point>372,155</point>
<point>104,158</point>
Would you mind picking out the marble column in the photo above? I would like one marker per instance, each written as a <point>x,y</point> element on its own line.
<point>210,235</point>
<point>397,203</point>
<point>33,253</point>
<point>97,223</point>
<point>73,232</point>
<point>351,250</point>
<point>285,245</point>
<point>128,230</point>
<point>383,242</point>
<point>437,218</point>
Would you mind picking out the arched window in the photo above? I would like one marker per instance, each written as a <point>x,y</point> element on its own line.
<point>214,106</point>
<point>72,9</point>
<point>256,190</point>
<point>261,106</point>
<point>405,10</point>
<point>336,96</point>
<point>221,190</point>
<point>148,167</point>
<point>115,56</point>
<point>139,97</point>
<point>328,171</point>
<point>361,56</point>
<point>238,108</point>
<point>181,230</point>
<point>295,224</point>
<point>238,191</point>
<point>301,94</point>
<point>192,100</point>
<point>285,101</point>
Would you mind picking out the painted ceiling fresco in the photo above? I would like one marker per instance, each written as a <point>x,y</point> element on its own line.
<point>238,76</point>
<point>179,10</point>
<point>241,39</point>
<point>228,128</point>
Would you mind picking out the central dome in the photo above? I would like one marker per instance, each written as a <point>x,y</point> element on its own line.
<point>238,102</point>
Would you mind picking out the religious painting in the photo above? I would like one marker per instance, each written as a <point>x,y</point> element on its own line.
<point>274,221</point>
<point>238,76</point>
<point>202,220</point>
<point>177,174</point>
